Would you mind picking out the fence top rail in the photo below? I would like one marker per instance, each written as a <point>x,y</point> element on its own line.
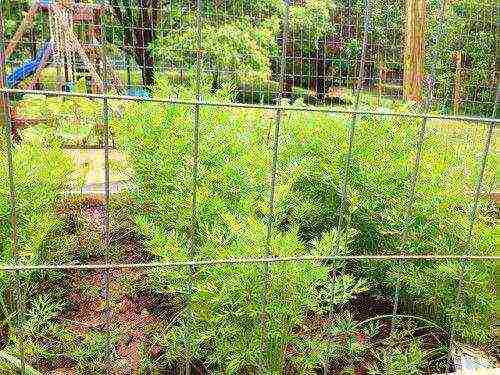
<point>194,102</point>
<point>215,262</point>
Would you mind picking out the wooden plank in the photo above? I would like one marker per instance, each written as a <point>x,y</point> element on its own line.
<point>27,21</point>
<point>458,57</point>
<point>86,60</point>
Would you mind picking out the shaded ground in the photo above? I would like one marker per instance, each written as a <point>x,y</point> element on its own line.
<point>133,314</point>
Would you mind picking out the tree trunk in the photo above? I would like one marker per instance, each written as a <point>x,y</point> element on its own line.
<point>321,70</point>
<point>414,49</point>
<point>139,32</point>
<point>148,77</point>
<point>143,56</point>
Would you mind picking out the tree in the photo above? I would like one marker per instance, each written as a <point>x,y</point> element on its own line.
<point>139,19</point>
<point>414,49</point>
<point>468,26</point>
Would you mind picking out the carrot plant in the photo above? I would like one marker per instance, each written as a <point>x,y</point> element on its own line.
<point>222,304</point>
<point>40,173</point>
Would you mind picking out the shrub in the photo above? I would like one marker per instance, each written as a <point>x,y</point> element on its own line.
<point>469,27</point>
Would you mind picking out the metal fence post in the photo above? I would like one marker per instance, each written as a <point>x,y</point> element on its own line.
<point>106,275</point>
<point>274,165</point>
<point>352,125</point>
<point>410,199</point>
<point>8,129</point>
<point>354,120</point>
<point>195,156</point>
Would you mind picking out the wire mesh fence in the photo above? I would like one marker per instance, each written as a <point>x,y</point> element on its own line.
<point>247,187</point>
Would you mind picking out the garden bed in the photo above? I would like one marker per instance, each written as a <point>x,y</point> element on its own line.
<point>321,315</point>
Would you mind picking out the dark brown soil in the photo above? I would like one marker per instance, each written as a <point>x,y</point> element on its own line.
<point>365,306</point>
<point>132,315</point>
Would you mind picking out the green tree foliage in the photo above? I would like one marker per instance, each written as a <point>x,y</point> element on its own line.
<point>469,27</point>
<point>238,39</point>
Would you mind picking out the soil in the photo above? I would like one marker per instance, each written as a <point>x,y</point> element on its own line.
<point>4,334</point>
<point>132,314</point>
<point>363,307</point>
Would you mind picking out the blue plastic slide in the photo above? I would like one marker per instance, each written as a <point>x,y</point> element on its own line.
<point>45,3</point>
<point>29,67</point>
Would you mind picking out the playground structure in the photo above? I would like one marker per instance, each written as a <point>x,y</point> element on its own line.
<point>67,53</point>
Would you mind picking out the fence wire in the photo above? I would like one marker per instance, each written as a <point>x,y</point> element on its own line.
<point>283,59</point>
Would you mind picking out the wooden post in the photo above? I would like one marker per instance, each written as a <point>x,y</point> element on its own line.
<point>27,22</point>
<point>458,57</point>
<point>414,49</point>
<point>382,76</point>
